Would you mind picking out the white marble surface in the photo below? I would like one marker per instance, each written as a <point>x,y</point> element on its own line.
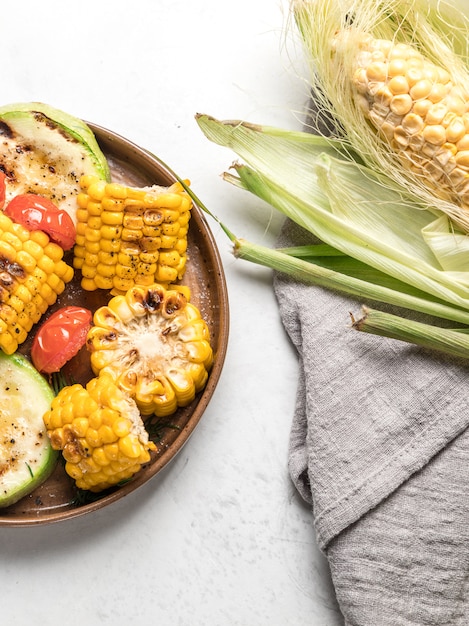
<point>219,537</point>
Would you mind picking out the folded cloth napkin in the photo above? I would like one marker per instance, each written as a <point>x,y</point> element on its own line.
<point>380,449</point>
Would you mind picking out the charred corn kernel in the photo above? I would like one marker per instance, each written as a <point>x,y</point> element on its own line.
<point>155,345</point>
<point>419,110</point>
<point>138,235</point>
<point>32,275</point>
<point>98,426</point>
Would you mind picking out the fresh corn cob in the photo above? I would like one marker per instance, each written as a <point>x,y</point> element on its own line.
<point>419,110</point>
<point>100,432</point>
<point>155,346</point>
<point>32,275</point>
<point>128,236</point>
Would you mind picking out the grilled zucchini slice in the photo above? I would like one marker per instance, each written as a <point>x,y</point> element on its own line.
<point>44,150</point>
<point>26,455</point>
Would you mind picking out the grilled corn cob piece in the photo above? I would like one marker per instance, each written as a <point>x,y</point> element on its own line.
<point>419,110</point>
<point>32,275</point>
<point>155,346</point>
<point>128,236</point>
<point>100,432</point>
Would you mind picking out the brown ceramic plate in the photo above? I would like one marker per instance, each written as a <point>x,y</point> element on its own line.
<point>57,499</point>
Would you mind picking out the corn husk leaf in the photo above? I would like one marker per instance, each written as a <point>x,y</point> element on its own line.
<point>343,203</point>
<point>349,277</point>
<point>388,234</point>
<point>448,340</point>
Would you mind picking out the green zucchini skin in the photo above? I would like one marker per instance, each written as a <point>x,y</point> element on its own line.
<point>26,455</point>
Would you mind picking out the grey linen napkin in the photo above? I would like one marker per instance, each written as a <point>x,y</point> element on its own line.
<point>379,448</point>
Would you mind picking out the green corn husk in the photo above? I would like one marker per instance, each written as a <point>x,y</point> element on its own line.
<point>355,279</point>
<point>386,236</point>
<point>454,342</point>
<point>346,205</point>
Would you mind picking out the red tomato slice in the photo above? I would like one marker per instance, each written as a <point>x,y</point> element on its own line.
<point>35,212</point>
<point>60,338</point>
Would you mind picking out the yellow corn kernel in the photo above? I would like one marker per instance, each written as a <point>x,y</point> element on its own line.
<point>112,451</point>
<point>126,271</point>
<point>7,251</point>
<point>144,280</point>
<point>110,232</point>
<point>34,248</point>
<point>46,264</point>
<point>423,114</point>
<point>121,427</point>
<point>186,292</point>
<point>121,284</point>
<point>32,275</point>
<point>130,227</point>
<point>110,246</point>
<point>105,270</point>
<point>55,282</point>
<point>92,260</point>
<point>5,223</point>
<point>130,446</point>
<point>103,282</point>
<point>99,457</point>
<point>96,189</point>
<point>112,218</point>
<point>88,283</point>
<point>94,222</point>
<point>183,384</point>
<point>15,305</point>
<point>106,432</point>
<point>80,231</point>
<point>92,438</point>
<point>12,239</point>
<point>42,239</point>
<point>92,235</point>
